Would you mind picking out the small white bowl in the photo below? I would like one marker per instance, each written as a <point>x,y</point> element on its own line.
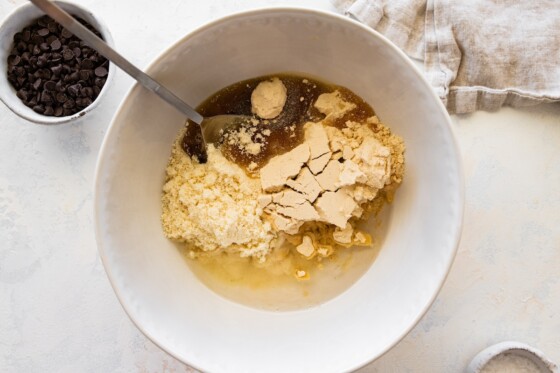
<point>155,285</point>
<point>516,348</point>
<point>23,16</point>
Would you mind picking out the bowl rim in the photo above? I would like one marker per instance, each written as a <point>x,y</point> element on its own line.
<point>456,229</point>
<point>482,358</point>
<point>26,113</point>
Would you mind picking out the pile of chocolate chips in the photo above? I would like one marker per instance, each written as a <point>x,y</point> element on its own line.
<point>54,72</point>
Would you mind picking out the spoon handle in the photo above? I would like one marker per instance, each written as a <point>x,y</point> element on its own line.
<point>75,27</point>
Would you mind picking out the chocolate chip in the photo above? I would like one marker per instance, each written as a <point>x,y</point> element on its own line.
<point>14,60</point>
<point>77,52</point>
<point>19,71</point>
<point>49,110</point>
<point>66,34</point>
<point>67,54</point>
<point>46,97</point>
<point>100,72</point>
<point>56,70</point>
<point>50,85</point>
<point>20,81</point>
<point>21,46</point>
<point>74,90</point>
<point>44,21</point>
<point>26,36</point>
<point>86,101</point>
<point>60,87</point>
<point>42,61</point>
<point>50,39</point>
<point>85,74</point>
<point>87,92</point>
<point>25,56</point>
<point>61,97</point>
<point>87,64</point>
<point>37,39</point>
<point>74,76</point>
<point>69,104</point>
<point>37,84</point>
<point>43,32</point>
<point>55,45</point>
<point>22,95</point>
<point>58,111</point>
<point>39,109</point>
<point>13,81</point>
<point>99,82</point>
<point>52,27</point>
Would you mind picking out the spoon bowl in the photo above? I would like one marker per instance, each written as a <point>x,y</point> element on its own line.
<point>209,131</point>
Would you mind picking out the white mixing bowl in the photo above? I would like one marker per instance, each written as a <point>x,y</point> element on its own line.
<point>155,286</point>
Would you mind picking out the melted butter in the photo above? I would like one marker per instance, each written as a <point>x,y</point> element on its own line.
<point>286,130</point>
<point>275,287</point>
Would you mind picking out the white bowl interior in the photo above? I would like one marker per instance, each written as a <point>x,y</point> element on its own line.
<point>15,22</point>
<point>150,277</point>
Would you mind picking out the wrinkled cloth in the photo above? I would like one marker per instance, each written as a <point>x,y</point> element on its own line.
<point>478,54</point>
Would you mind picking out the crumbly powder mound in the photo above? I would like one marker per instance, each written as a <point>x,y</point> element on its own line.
<point>334,172</point>
<point>395,144</point>
<point>335,176</point>
<point>333,105</point>
<point>214,206</point>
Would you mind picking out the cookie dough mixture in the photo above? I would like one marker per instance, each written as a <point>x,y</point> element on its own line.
<point>305,200</point>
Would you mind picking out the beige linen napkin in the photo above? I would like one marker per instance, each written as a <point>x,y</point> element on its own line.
<point>478,54</point>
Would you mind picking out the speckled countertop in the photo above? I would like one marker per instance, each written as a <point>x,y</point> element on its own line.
<point>58,312</point>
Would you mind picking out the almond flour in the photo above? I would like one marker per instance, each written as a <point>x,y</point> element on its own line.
<point>332,177</point>
<point>213,206</point>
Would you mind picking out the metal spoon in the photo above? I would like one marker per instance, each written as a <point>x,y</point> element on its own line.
<point>205,130</point>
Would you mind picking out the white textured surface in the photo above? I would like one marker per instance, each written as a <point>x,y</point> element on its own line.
<point>58,311</point>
